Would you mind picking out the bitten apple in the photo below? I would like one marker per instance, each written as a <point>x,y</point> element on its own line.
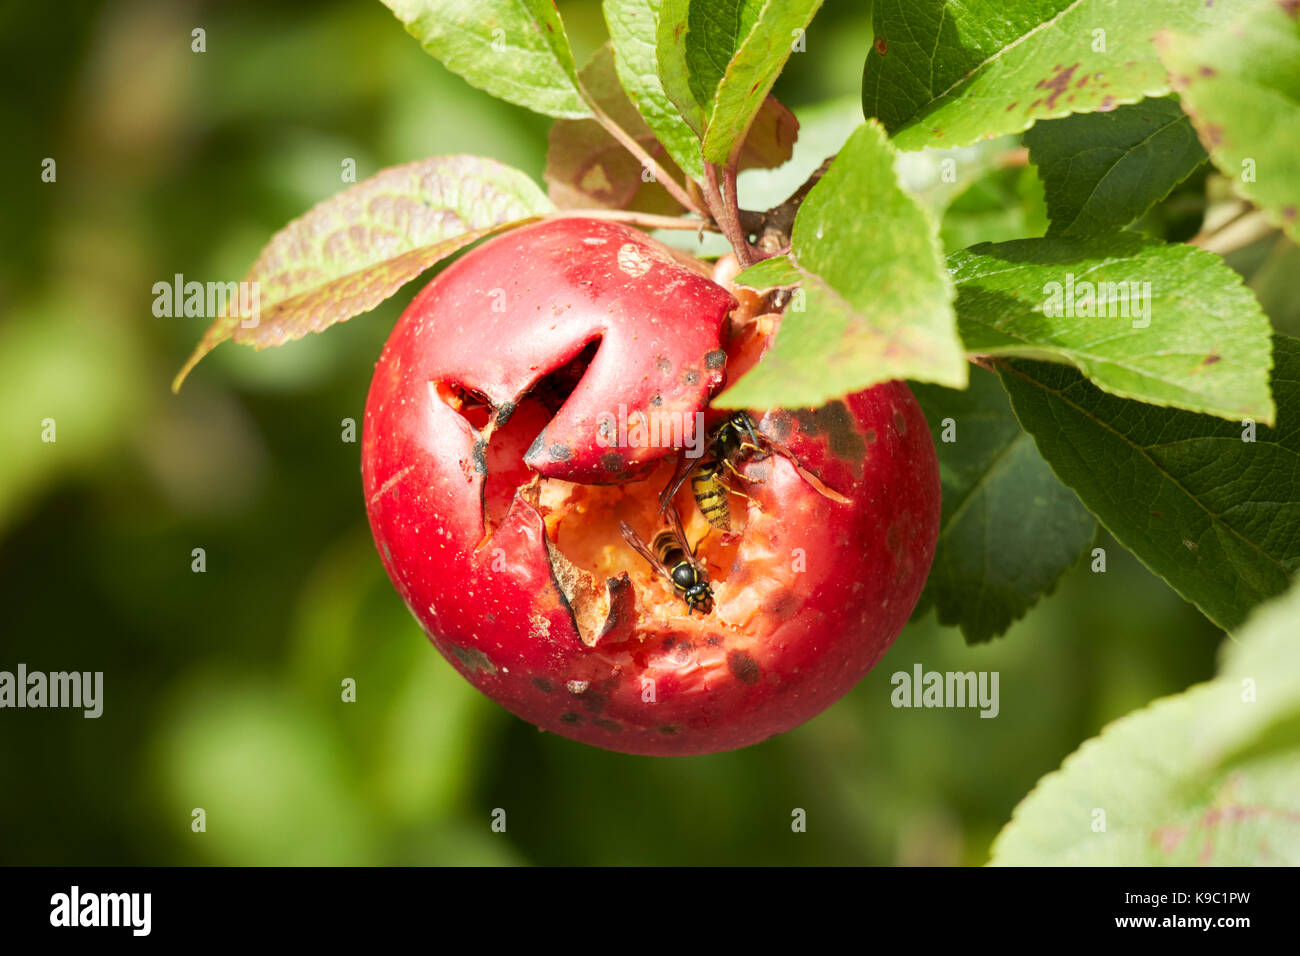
<point>538,393</point>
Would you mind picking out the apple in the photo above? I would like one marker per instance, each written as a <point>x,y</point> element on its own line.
<point>501,454</point>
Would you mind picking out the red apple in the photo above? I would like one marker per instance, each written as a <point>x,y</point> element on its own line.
<point>497,474</point>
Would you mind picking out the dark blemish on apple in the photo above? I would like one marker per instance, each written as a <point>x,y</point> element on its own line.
<point>871,436</point>
<point>807,419</point>
<point>1013,105</point>
<point>611,462</point>
<point>1058,84</point>
<point>668,642</point>
<point>1214,133</point>
<point>894,538</point>
<point>536,447</point>
<point>743,667</point>
<point>561,451</point>
<point>847,442</point>
<point>594,703</point>
<point>504,411</point>
<point>571,718</point>
<point>1080,85</point>
<point>900,423</point>
<point>472,658</point>
<point>1288,212</point>
<point>607,430</point>
<point>1289,7</point>
<point>612,726</point>
<point>713,641</point>
<point>669,730</point>
<point>1211,359</point>
<point>882,45</point>
<point>542,684</point>
<point>1207,71</point>
<point>656,400</point>
<point>480,456</point>
<point>691,376</point>
<point>663,365</point>
<point>715,359</point>
<point>785,606</point>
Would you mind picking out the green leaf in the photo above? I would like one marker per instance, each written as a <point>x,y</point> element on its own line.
<point>353,251</point>
<point>633,28</point>
<point>516,50</point>
<point>1179,327</point>
<point>586,166</point>
<point>1211,506</point>
<point>753,69</point>
<point>874,303</point>
<point>1103,171</point>
<point>1242,90</point>
<point>718,60</point>
<point>1009,529</point>
<point>947,74</point>
<point>1207,777</point>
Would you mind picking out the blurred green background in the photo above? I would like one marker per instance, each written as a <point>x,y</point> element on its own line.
<point>222,689</point>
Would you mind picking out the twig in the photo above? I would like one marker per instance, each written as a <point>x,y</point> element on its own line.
<point>644,219</point>
<point>1236,234</point>
<point>773,227</point>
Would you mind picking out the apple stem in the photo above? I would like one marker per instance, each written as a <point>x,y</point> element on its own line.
<point>727,217</point>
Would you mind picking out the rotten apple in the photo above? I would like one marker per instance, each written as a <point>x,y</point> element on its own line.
<point>539,394</point>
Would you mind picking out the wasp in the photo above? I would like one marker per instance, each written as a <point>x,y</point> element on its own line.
<point>730,444</point>
<point>671,555</point>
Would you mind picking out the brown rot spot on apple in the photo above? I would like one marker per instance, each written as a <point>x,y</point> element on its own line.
<point>519,461</point>
<point>743,667</point>
<point>473,659</point>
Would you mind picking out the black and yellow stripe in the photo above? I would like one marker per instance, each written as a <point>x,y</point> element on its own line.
<point>711,494</point>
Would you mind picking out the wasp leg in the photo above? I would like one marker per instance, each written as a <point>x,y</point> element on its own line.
<point>734,471</point>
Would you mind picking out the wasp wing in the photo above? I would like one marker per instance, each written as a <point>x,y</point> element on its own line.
<point>643,549</point>
<point>675,525</point>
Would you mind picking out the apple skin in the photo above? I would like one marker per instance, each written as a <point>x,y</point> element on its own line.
<point>816,591</point>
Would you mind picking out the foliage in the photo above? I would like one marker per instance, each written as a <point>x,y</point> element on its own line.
<point>1155,399</point>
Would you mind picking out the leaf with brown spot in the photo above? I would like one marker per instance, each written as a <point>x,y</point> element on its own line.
<point>952,69</point>
<point>353,251</point>
<point>1210,776</point>
<point>1241,89</point>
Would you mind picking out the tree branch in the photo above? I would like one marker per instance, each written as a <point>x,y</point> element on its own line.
<point>773,227</point>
